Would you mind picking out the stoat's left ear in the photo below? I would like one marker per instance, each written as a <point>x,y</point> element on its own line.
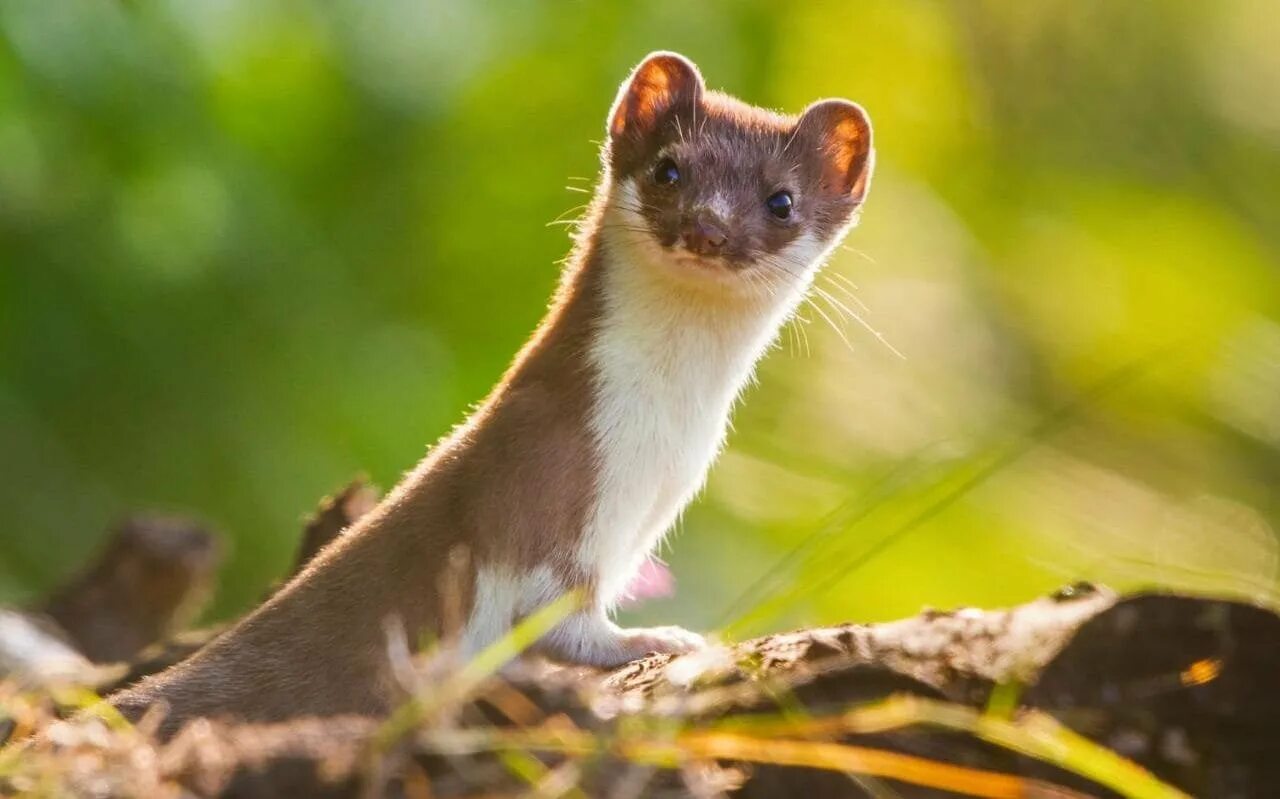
<point>839,133</point>
<point>664,82</point>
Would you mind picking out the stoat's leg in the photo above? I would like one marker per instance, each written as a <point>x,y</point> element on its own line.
<point>589,637</point>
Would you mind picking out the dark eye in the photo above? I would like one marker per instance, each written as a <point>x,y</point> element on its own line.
<point>779,204</point>
<point>666,172</point>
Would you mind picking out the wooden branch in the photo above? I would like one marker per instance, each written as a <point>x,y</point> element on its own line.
<point>959,654</point>
<point>335,514</point>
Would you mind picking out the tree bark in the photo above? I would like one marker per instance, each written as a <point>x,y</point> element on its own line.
<point>1185,686</point>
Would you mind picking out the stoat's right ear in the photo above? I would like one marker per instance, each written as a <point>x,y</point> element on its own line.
<point>664,82</point>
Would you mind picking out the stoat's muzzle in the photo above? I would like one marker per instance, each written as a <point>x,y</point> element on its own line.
<point>703,233</point>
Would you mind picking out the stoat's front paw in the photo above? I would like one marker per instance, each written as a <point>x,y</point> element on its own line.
<point>640,641</point>
<point>592,640</point>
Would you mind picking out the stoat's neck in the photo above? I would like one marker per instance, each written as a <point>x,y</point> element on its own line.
<point>669,356</point>
<point>649,308</point>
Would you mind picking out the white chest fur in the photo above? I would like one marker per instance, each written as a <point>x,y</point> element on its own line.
<point>669,366</point>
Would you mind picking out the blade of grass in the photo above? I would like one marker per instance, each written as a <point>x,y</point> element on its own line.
<point>849,513</point>
<point>466,680</point>
<point>1033,733</point>
<point>543,781</point>
<point>1005,699</point>
<point>1049,425</point>
<point>832,757</point>
<point>696,746</point>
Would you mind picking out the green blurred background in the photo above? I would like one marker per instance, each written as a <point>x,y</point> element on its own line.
<point>249,249</point>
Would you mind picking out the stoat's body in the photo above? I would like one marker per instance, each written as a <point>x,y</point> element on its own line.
<point>708,224</point>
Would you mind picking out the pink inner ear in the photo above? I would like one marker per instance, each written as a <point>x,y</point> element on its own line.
<point>647,97</point>
<point>845,140</point>
<point>658,84</point>
<point>842,135</point>
<point>845,147</point>
<point>652,581</point>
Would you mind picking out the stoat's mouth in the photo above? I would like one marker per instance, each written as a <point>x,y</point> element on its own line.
<point>711,270</point>
<point>696,261</point>
<point>716,274</point>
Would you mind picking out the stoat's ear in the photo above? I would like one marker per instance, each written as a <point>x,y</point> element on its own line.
<point>664,82</point>
<point>839,133</point>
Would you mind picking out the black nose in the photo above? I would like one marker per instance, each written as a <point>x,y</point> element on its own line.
<point>704,237</point>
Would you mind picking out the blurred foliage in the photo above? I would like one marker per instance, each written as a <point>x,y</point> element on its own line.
<point>248,249</point>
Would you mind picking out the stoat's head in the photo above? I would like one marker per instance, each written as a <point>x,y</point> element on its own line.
<point>710,188</point>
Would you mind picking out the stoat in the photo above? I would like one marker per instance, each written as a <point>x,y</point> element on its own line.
<point>709,222</point>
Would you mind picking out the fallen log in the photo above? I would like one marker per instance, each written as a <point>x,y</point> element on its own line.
<point>942,704</point>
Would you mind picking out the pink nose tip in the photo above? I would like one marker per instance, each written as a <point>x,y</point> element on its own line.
<point>704,237</point>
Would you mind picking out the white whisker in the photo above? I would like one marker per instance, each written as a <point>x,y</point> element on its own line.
<point>863,322</point>
<point>857,252</point>
<point>846,292</point>
<point>830,321</point>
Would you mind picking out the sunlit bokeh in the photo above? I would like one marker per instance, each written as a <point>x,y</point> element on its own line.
<point>251,248</point>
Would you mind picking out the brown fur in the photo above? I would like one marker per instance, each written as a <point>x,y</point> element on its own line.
<point>511,484</point>
<point>514,484</point>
